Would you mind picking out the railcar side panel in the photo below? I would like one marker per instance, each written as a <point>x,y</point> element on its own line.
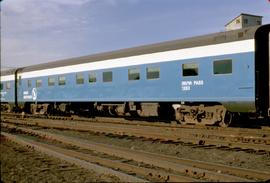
<point>235,90</point>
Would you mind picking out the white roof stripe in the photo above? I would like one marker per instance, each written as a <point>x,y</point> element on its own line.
<point>7,78</point>
<point>167,56</point>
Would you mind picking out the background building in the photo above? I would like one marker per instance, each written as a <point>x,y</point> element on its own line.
<point>242,21</point>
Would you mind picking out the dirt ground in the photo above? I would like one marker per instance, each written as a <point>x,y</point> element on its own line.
<point>19,164</point>
<point>233,158</point>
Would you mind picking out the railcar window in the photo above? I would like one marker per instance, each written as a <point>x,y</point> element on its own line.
<point>134,74</point>
<point>191,69</point>
<point>79,78</point>
<point>1,86</point>
<point>38,83</point>
<point>92,77</point>
<point>222,66</point>
<point>8,86</point>
<point>29,83</point>
<point>107,76</point>
<point>20,80</point>
<point>51,81</point>
<point>61,80</point>
<point>152,72</point>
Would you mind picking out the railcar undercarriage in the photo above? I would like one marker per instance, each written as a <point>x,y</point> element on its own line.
<point>204,114</point>
<point>188,113</point>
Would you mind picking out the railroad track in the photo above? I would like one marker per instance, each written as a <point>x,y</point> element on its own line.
<point>127,164</point>
<point>249,140</point>
<point>151,122</point>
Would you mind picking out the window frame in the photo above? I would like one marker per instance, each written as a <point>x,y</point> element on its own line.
<point>104,79</point>
<point>50,83</point>
<point>38,83</point>
<point>61,81</point>
<point>223,73</point>
<point>131,76</point>
<point>20,80</point>
<point>79,78</point>
<point>29,83</point>
<point>94,78</point>
<point>148,73</point>
<point>8,85</point>
<point>184,74</point>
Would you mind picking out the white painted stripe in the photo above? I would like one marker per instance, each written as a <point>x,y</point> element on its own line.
<point>7,78</point>
<point>167,56</point>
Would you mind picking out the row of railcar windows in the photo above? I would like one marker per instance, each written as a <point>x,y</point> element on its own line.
<point>188,69</point>
<point>133,74</point>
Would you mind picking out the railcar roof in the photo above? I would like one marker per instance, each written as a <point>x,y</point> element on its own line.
<point>210,39</point>
<point>8,72</point>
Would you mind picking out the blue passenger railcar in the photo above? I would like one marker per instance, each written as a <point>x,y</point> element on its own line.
<point>205,79</point>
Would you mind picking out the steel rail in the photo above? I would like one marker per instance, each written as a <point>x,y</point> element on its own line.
<point>203,169</point>
<point>131,169</point>
<point>68,158</point>
<point>156,123</point>
<point>148,132</point>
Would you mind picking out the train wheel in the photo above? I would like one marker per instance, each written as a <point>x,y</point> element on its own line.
<point>227,120</point>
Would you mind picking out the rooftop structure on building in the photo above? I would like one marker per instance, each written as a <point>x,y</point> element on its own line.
<point>242,21</point>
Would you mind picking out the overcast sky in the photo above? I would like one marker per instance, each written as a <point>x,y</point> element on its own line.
<point>40,31</point>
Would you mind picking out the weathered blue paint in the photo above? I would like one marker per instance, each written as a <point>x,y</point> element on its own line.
<point>236,88</point>
<point>8,95</point>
